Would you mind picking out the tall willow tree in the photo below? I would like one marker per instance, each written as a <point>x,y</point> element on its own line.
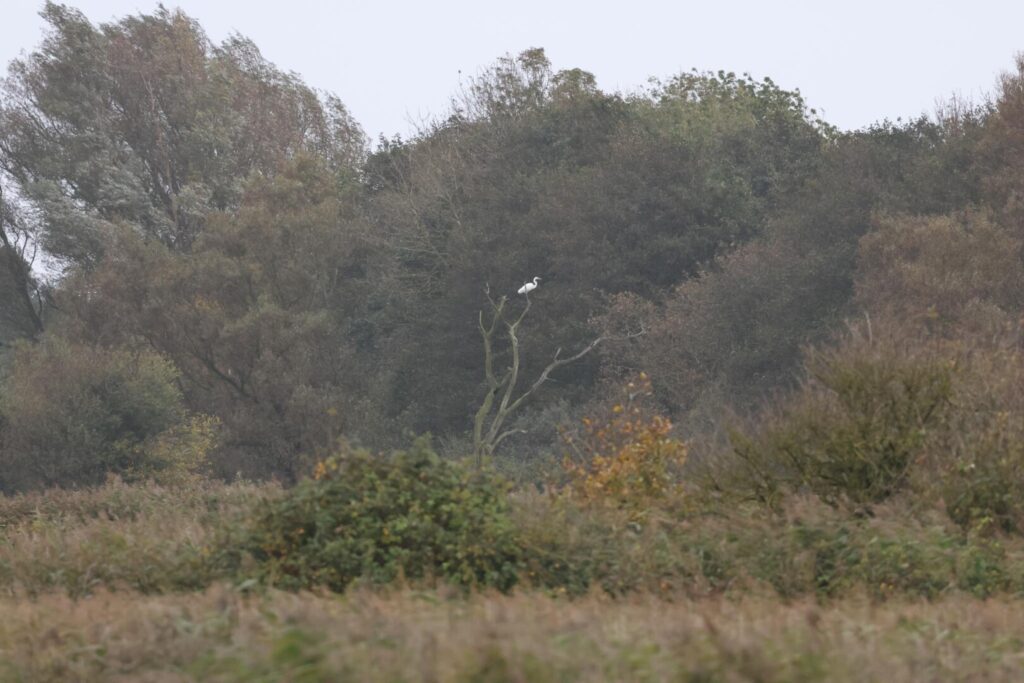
<point>146,122</point>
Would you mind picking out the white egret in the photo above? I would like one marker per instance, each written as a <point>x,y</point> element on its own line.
<point>528,287</point>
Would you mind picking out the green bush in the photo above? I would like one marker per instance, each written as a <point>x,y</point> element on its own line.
<point>75,414</point>
<point>982,487</point>
<point>978,463</point>
<point>853,430</point>
<point>379,518</point>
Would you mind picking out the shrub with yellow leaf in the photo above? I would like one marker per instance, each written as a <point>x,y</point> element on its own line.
<point>627,458</point>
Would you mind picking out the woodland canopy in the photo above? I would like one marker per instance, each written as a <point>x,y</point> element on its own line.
<point>202,253</point>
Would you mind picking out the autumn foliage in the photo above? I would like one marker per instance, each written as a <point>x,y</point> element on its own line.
<point>627,458</point>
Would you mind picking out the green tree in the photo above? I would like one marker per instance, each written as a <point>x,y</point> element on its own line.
<point>734,333</point>
<point>258,316</point>
<point>540,173</point>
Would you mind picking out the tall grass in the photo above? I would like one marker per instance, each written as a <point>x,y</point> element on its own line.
<point>403,635</point>
<point>145,538</point>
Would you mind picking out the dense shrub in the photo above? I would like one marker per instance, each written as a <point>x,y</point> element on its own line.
<point>953,283</point>
<point>74,414</point>
<point>977,466</point>
<point>853,430</point>
<point>806,548</point>
<point>408,515</point>
<point>983,486</point>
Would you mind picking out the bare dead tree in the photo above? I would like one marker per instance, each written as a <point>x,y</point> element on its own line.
<point>501,401</point>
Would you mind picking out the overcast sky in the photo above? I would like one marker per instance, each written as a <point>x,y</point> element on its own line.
<point>393,63</point>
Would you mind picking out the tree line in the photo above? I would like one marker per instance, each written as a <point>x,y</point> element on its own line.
<point>205,259</point>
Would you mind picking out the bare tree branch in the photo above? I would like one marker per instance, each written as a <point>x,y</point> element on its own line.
<point>488,422</point>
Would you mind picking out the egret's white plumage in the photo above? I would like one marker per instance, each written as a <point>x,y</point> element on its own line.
<point>528,287</point>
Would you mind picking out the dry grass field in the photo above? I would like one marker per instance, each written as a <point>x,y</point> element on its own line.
<point>403,635</point>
